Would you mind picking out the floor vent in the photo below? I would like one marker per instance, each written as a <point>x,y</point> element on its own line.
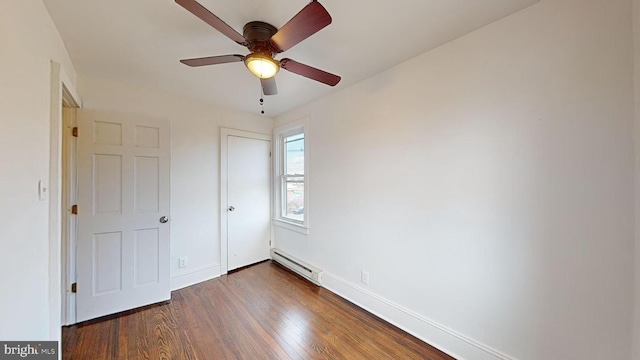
<point>299,267</point>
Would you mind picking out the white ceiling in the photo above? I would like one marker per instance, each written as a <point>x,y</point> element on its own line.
<point>140,42</point>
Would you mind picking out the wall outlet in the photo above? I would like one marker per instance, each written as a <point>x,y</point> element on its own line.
<point>182,262</point>
<point>365,277</point>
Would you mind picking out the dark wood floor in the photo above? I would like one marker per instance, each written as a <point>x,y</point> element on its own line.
<point>261,312</point>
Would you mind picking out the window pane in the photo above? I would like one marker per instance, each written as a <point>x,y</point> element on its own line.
<point>294,201</point>
<point>294,154</point>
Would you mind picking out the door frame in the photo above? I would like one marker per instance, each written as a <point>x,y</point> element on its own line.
<point>69,220</point>
<point>63,94</point>
<point>224,187</point>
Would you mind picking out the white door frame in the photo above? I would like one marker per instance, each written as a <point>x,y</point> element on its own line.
<point>224,205</point>
<point>62,92</point>
<point>69,220</point>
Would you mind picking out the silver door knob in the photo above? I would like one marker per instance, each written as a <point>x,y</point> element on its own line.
<point>231,208</point>
<point>164,219</point>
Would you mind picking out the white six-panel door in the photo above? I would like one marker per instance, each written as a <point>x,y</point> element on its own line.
<point>123,192</point>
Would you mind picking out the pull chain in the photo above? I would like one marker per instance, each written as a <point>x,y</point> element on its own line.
<point>261,100</point>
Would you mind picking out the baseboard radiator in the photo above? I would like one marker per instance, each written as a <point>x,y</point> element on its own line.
<point>298,266</point>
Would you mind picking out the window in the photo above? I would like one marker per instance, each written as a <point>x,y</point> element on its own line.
<point>293,178</point>
<point>291,192</point>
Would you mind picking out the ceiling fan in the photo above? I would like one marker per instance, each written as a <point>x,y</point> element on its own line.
<point>265,41</point>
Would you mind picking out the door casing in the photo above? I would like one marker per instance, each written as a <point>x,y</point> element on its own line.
<point>63,96</point>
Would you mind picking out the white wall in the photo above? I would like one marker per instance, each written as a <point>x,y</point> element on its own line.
<point>195,176</point>
<point>487,186</point>
<point>29,42</point>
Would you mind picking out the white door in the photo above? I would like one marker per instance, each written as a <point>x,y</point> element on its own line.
<point>248,200</point>
<point>123,193</point>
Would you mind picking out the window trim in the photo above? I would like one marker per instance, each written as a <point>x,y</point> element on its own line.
<point>279,133</point>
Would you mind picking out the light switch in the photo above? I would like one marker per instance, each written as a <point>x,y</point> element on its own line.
<point>43,190</point>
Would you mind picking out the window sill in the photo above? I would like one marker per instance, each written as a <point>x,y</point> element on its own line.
<point>291,226</point>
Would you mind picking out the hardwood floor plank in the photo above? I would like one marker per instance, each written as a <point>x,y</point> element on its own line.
<point>260,312</point>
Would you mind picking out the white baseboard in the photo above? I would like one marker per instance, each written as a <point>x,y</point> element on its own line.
<point>182,279</point>
<point>447,340</point>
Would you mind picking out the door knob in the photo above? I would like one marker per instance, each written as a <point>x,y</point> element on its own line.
<point>231,208</point>
<point>164,219</point>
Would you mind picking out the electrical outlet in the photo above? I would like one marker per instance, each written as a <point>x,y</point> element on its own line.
<point>182,262</point>
<point>365,277</point>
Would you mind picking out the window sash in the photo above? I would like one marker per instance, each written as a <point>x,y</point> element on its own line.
<point>293,141</point>
<point>292,204</point>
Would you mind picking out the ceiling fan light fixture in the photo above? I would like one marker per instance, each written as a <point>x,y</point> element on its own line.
<point>261,65</point>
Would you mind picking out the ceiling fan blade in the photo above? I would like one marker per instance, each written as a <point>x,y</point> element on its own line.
<point>311,19</point>
<point>207,16</point>
<point>213,60</point>
<point>269,86</point>
<point>310,72</point>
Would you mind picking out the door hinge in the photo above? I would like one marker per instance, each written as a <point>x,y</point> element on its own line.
<point>74,209</point>
<point>74,287</point>
<point>74,131</point>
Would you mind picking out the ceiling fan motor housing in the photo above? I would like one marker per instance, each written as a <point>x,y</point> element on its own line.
<point>258,35</point>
